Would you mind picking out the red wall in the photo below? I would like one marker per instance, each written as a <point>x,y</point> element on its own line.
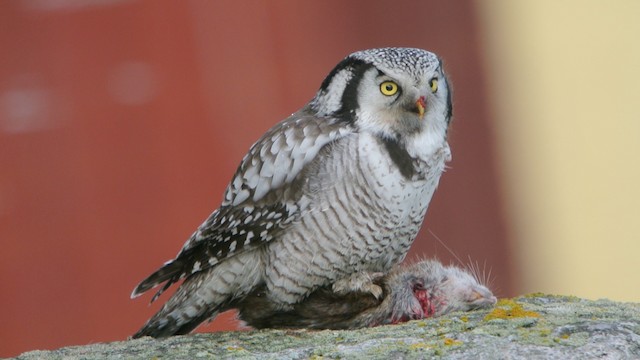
<point>121,123</point>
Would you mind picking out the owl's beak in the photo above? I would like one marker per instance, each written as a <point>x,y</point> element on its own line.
<point>420,105</point>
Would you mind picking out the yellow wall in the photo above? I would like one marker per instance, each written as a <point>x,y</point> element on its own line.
<point>565,83</point>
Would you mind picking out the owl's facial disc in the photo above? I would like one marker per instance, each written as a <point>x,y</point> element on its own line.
<point>402,93</point>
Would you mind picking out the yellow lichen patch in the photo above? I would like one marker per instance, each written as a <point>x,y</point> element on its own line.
<point>561,337</point>
<point>419,346</point>
<point>506,302</point>
<point>464,319</point>
<point>544,332</point>
<point>452,342</point>
<point>509,309</point>
<point>534,295</point>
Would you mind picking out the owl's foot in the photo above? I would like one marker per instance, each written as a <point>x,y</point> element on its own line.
<point>359,282</point>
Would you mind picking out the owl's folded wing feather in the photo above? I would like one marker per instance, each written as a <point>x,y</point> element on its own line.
<point>259,202</point>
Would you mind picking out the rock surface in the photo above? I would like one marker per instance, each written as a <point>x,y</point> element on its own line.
<point>536,326</point>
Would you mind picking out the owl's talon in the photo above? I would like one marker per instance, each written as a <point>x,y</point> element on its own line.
<point>376,291</point>
<point>360,282</point>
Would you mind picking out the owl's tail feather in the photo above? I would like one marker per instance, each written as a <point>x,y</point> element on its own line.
<point>158,329</point>
<point>187,308</point>
<point>171,272</point>
<point>203,295</point>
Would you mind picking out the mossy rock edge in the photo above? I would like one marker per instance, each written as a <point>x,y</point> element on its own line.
<point>527,327</point>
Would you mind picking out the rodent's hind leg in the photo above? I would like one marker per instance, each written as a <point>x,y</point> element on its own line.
<point>361,281</point>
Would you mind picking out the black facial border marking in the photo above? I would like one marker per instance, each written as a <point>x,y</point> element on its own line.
<point>344,64</point>
<point>399,156</point>
<point>349,102</point>
<point>449,102</point>
<point>449,114</point>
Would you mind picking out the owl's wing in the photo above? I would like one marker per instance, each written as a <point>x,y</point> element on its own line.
<point>259,201</point>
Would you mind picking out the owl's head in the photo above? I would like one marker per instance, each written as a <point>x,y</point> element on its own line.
<point>394,92</point>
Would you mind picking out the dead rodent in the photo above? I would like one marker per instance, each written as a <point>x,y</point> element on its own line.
<point>421,290</point>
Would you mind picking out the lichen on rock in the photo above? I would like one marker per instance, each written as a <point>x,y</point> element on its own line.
<point>536,326</point>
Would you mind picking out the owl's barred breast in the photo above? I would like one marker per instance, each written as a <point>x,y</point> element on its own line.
<point>364,217</point>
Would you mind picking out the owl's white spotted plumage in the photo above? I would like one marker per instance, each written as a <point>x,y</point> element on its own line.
<point>337,189</point>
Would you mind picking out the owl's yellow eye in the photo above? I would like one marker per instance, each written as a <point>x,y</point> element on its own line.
<point>434,85</point>
<point>388,88</point>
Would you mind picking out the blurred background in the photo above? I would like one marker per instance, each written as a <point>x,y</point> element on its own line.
<point>121,122</point>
